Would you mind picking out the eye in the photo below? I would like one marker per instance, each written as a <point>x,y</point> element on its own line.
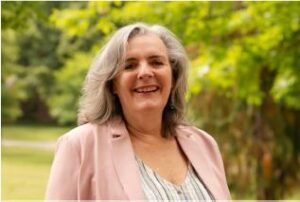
<point>130,66</point>
<point>157,63</point>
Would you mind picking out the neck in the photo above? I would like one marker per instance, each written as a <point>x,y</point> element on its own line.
<point>147,139</point>
<point>146,126</point>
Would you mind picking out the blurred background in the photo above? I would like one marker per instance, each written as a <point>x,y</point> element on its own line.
<point>244,84</point>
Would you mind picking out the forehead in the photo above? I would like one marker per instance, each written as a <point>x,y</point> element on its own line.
<point>148,44</point>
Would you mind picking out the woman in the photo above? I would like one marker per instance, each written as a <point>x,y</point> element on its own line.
<point>132,142</point>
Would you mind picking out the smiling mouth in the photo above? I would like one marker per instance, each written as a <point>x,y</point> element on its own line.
<point>146,89</point>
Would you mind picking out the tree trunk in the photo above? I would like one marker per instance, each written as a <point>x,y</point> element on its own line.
<point>262,133</point>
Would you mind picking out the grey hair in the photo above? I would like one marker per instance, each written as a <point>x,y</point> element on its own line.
<point>99,104</point>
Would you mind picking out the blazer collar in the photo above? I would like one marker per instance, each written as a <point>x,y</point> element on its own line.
<point>194,151</point>
<point>124,160</point>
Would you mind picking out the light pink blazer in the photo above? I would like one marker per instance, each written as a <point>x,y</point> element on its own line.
<point>97,162</point>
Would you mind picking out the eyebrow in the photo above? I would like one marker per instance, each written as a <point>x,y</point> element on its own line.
<point>150,57</point>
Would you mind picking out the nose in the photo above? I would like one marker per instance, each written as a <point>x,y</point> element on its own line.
<point>145,71</point>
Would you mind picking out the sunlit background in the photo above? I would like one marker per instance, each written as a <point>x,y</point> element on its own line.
<point>244,84</point>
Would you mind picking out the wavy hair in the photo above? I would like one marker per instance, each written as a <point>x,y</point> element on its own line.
<point>99,104</point>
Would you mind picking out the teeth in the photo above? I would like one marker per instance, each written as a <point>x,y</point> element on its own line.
<point>146,89</point>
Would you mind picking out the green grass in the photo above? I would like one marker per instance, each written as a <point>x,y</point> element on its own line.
<point>25,173</point>
<point>32,132</point>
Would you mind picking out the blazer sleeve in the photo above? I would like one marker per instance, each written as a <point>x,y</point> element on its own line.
<point>63,180</point>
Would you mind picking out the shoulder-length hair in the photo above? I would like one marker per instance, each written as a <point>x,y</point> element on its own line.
<point>99,104</point>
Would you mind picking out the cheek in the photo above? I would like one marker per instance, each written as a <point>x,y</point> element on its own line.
<point>117,85</point>
<point>121,85</point>
<point>170,78</point>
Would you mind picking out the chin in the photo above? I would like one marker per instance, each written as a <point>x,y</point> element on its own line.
<point>149,106</point>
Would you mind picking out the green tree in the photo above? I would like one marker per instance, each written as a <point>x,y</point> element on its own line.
<point>29,55</point>
<point>63,101</point>
<point>12,89</point>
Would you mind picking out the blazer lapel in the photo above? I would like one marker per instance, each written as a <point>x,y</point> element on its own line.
<point>124,161</point>
<point>195,153</point>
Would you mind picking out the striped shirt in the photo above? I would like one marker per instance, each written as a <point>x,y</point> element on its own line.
<point>156,187</point>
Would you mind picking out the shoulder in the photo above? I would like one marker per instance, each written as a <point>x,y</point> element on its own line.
<point>201,140</point>
<point>78,132</point>
<point>88,134</point>
<point>205,143</point>
<point>197,134</point>
<point>82,135</point>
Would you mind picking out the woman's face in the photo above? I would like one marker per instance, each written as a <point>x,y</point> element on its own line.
<point>145,80</point>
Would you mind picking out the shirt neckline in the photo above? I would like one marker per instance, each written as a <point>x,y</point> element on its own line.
<point>177,186</point>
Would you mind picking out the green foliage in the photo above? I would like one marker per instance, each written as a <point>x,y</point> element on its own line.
<point>67,89</point>
<point>16,15</point>
<point>27,56</point>
<point>249,38</point>
<point>12,89</point>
